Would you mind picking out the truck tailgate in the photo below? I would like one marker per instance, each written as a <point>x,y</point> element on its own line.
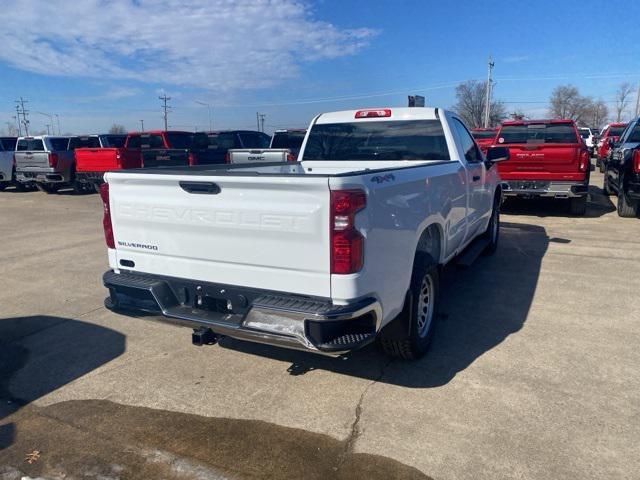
<point>543,162</point>
<point>260,232</point>
<point>32,160</point>
<point>96,159</point>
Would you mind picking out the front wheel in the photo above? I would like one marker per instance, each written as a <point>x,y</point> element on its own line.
<point>493,230</point>
<point>421,311</point>
<point>627,208</point>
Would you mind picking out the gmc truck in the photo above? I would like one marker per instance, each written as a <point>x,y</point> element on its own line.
<point>284,147</point>
<point>211,148</point>
<point>163,149</point>
<point>548,159</point>
<point>325,254</point>
<point>109,152</point>
<point>7,169</point>
<point>622,171</point>
<point>45,161</point>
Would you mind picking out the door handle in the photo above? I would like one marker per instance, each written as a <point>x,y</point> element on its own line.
<point>200,188</point>
<point>476,178</point>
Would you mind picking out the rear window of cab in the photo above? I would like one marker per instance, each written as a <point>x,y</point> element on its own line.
<point>380,140</point>
<point>30,145</point>
<point>538,133</point>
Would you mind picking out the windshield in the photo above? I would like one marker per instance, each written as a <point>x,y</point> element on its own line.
<point>113,141</point>
<point>254,139</point>
<point>151,141</point>
<point>290,140</point>
<point>30,145</point>
<point>379,140</point>
<point>538,133</point>
<point>616,131</point>
<point>484,134</point>
<point>180,140</point>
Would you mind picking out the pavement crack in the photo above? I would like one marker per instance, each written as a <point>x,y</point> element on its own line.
<point>356,431</point>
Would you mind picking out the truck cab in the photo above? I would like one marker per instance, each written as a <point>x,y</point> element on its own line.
<point>609,135</point>
<point>622,171</point>
<point>160,148</point>
<point>211,148</point>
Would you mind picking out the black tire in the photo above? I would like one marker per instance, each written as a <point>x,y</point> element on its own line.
<point>80,188</point>
<point>606,190</point>
<point>493,229</point>
<point>21,187</point>
<point>422,323</point>
<point>3,185</point>
<point>47,187</point>
<point>627,208</point>
<point>578,205</point>
<point>600,165</point>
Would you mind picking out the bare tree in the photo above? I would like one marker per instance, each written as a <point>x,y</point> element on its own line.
<point>566,102</point>
<point>11,130</point>
<point>117,129</point>
<point>470,105</point>
<point>623,95</point>
<point>596,115</point>
<point>518,115</point>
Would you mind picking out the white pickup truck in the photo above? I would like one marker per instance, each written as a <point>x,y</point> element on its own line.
<point>325,254</point>
<point>7,175</point>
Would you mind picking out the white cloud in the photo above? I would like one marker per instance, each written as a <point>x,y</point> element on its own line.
<point>214,44</point>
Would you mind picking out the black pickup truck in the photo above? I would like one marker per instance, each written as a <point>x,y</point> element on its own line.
<point>622,171</point>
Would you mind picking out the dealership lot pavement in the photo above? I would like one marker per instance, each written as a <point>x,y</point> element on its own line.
<point>533,372</point>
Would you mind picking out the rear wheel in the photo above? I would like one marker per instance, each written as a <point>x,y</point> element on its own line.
<point>3,185</point>
<point>606,189</point>
<point>47,187</point>
<point>578,205</point>
<point>627,208</point>
<point>420,312</point>
<point>600,165</point>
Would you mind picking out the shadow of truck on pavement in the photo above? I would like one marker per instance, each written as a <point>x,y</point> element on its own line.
<point>39,354</point>
<point>480,307</point>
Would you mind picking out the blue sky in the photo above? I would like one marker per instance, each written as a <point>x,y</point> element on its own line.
<point>95,63</point>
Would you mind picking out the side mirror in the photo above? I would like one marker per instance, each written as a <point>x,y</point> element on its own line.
<point>497,154</point>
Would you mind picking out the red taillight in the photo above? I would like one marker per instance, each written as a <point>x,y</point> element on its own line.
<point>383,112</point>
<point>636,161</point>
<point>347,243</point>
<point>53,160</point>
<point>584,161</point>
<point>291,157</point>
<point>227,158</point>
<point>192,160</point>
<point>106,220</point>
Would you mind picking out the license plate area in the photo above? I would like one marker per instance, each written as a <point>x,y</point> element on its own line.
<point>529,185</point>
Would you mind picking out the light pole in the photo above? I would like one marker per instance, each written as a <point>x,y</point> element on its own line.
<point>210,113</point>
<point>58,122</point>
<point>50,120</point>
<point>142,125</point>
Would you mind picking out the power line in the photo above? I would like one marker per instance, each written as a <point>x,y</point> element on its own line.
<point>165,109</point>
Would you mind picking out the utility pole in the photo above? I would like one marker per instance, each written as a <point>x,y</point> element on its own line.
<point>638,101</point>
<point>487,107</point>
<point>17,117</point>
<point>260,121</point>
<point>48,130</point>
<point>165,108</point>
<point>58,122</point>
<point>142,125</point>
<point>20,108</point>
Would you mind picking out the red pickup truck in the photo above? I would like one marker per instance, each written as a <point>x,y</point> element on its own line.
<point>485,137</point>
<point>610,132</point>
<point>112,152</point>
<point>548,159</point>
<point>164,148</point>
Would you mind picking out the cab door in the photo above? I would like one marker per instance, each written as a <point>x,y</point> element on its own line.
<point>479,201</point>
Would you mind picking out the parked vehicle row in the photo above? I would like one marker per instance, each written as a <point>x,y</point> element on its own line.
<point>53,162</point>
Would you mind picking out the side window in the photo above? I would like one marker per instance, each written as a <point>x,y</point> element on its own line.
<point>469,147</point>
<point>634,137</point>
